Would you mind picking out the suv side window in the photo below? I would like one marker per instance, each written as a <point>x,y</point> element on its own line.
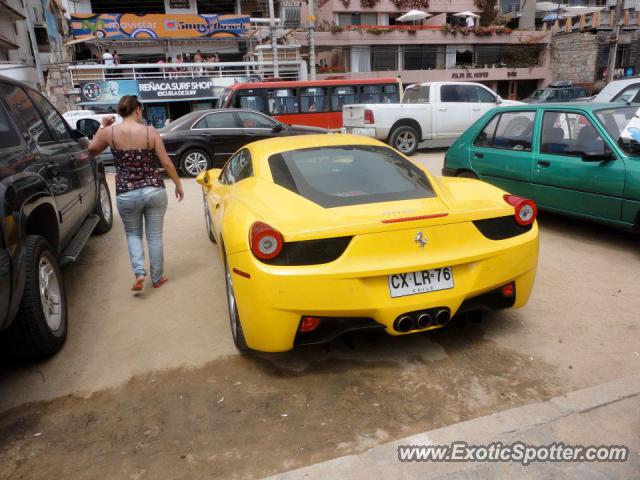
<point>630,94</point>
<point>25,114</point>
<point>485,137</point>
<point>568,133</point>
<point>508,131</point>
<point>484,96</point>
<point>237,168</point>
<point>9,137</point>
<point>54,120</point>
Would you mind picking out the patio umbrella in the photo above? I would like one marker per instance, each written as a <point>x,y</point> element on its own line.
<point>466,13</point>
<point>547,7</point>
<point>413,16</point>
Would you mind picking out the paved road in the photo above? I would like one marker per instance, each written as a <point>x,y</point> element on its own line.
<point>150,386</point>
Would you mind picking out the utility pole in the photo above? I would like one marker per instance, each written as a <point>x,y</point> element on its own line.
<point>274,42</point>
<point>615,39</point>
<point>312,42</point>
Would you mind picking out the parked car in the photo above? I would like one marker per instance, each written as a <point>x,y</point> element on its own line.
<point>207,138</point>
<point>579,159</point>
<point>368,240</point>
<point>625,90</point>
<point>435,113</point>
<point>559,91</point>
<point>88,122</point>
<point>53,196</point>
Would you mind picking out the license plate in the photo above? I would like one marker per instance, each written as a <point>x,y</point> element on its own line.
<point>367,132</point>
<point>403,284</point>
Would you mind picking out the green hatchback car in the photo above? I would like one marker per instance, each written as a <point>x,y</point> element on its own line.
<point>581,159</point>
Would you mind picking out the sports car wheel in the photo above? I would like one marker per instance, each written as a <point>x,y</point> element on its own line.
<point>234,318</point>
<point>194,162</point>
<point>404,139</point>
<point>207,219</point>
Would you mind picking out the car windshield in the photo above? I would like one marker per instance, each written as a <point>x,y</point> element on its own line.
<point>623,125</point>
<point>349,175</point>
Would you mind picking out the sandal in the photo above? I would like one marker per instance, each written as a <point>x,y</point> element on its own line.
<point>138,285</point>
<point>161,282</point>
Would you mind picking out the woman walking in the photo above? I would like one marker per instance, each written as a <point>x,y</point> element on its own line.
<point>138,153</point>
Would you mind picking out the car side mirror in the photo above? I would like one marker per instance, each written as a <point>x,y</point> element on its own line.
<point>77,135</point>
<point>498,99</point>
<point>208,178</point>
<point>598,157</point>
<point>277,128</point>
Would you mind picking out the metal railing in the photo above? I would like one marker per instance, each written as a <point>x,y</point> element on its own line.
<point>239,71</point>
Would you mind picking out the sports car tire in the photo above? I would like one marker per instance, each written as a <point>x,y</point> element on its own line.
<point>194,161</point>
<point>234,317</point>
<point>40,328</point>
<point>207,219</point>
<point>404,139</point>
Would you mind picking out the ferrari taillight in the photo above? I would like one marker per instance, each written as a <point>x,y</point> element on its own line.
<point>526,210</point>
<point>368,116</point>
<point>266,242</point>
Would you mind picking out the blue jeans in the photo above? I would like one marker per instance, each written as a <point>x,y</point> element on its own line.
<point>150,204</point>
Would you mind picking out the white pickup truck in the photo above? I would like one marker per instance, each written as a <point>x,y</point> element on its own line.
<point>431,115</point>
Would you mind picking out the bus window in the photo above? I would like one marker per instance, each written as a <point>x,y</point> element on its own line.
<point>390,94</point>
<point>283,101</point>
<point>313,99</point>
<point>371,94</point>
<point>343,96</point>
<point>252,102</point>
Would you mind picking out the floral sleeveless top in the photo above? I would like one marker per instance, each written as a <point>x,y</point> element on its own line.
<point>136,167</point>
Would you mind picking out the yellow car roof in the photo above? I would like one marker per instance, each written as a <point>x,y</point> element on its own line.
<point>265,148</point>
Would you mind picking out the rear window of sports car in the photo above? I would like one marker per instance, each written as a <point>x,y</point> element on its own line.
<point>349,175</point>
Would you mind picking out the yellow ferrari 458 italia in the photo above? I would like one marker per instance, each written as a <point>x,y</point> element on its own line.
<point>325,234</point>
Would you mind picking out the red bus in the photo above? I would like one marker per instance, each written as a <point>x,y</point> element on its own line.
<point>316,103</point>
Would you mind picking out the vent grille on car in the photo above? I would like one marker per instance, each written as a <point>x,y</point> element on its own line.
<point>311,252</point>
<point>500,228</point>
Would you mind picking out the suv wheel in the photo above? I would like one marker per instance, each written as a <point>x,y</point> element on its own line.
<point>404,139</point>
<point>40,328</point>
<point>104,208</point>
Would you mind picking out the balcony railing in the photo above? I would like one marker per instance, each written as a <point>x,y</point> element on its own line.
<point>240,71</point>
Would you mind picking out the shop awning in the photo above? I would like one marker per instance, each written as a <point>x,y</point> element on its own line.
<point>81,40</point>
<point>8,10</point>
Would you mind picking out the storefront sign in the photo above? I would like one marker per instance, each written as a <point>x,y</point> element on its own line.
<point>177,25</point>
<point>108,92</point>
<point>178,89</point>
<point>179,4</point>
<point>483,75</point>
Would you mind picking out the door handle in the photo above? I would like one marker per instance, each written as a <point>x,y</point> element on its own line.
<point>544,163</point>
<point>442,109</point>
<point>217,206</point>
<point>475,109</point>
<point>478,155</point>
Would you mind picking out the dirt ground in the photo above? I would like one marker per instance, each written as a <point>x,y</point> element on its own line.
<point>150,386</point>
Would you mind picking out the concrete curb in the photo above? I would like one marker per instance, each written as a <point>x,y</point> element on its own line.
<point>382,462</point>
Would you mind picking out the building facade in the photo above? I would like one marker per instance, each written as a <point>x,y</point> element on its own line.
<point>363,38</point>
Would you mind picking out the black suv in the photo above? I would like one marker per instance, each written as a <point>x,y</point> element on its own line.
<point>53,196</point>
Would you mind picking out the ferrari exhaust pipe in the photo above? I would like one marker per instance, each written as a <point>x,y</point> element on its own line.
<point>424,320</point>
<point>403,323</point>
<point>442,317</point>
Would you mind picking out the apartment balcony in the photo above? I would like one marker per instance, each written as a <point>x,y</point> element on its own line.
<point>449,6</point>
<point>379,35</point>
<point>222,73</point>
<point>491,74</point>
